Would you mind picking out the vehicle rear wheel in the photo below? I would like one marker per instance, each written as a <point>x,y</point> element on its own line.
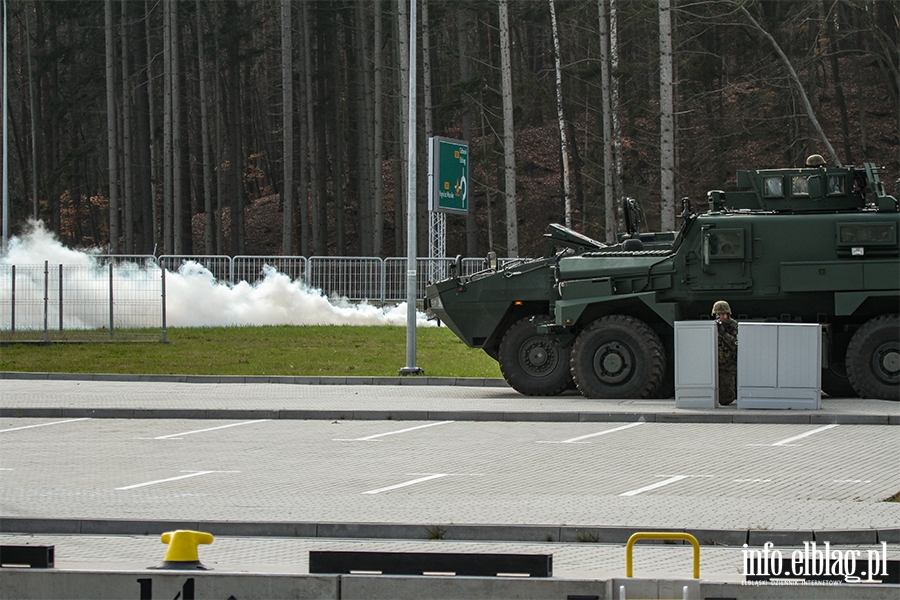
<point>873,358</point>
<point>835,382</point>
<point>533,364</point>
<point>618,356</point>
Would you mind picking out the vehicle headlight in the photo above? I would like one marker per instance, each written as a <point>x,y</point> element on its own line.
<point>435,302</point>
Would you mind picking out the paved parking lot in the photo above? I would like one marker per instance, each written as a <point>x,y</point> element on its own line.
<point>758,476</point>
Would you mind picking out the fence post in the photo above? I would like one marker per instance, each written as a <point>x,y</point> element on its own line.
<point>163,270</point>
<point>110,300</point>
<point>60,299</point>
<point>12,309</point>
<point>46,298</point>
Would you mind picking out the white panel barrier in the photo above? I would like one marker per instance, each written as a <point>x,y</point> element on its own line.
<point>779,365</point>
<point>696,364</point>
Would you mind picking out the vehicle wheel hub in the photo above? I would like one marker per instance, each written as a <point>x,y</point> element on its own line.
<point>886,362</point>
<point>613,363</point>
<point>538,357</point>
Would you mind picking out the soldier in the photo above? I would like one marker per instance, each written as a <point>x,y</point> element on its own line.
<point>728,330</point>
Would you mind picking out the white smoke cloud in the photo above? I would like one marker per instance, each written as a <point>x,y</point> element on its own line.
<point>194,298</point>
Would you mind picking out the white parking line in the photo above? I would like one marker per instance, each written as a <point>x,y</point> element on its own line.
<point>852,481</point>
<point>653,486</point>
<point>45,424</point>
<point>176,435</point>
<point>190,474</point>
<point>378,435</point>
<point>578,439</point>
<point>751,480</point>
<point>803,435</point>
<point>406,483</point>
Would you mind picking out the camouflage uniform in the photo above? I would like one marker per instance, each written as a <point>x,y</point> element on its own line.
<point>728,331</point>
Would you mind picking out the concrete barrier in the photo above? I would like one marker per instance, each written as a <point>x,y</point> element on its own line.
<point>63,584</point>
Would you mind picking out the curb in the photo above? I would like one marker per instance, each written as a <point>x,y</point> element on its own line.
<point>283,379</point>
<point>443,415</point>
<point>450,532</point>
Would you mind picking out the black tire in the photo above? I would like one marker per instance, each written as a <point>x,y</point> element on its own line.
<point>873,358</point>
<point>835,382</point>
<point>618,357</point>
<point>532,364</point>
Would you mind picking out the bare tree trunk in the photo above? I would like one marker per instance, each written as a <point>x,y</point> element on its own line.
<point>143,144</point>
<point>208,214</point>
<point>221,184</point>
<point>509,153</point>
<point>35,127</point>
<point>378,154</point>
<point>177,180</point>
<point>287,129</point>
<point>609,197</point>
<point>313,137</point>
<point>563,137</point>
<point>127,126</point>
<point>463,26</point>
<point>111,131</point>
<point>793,74</point>
<point>667,118</point>
<point>614,108</point>
<point>402,26</point>
<point>168,243</point>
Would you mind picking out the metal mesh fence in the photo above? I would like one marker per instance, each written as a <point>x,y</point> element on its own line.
<point>122,297</point>
<point>81,303</point>
<point>252,268</point>
<point>353,278</point>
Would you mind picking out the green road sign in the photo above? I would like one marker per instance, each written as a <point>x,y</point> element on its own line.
<point>448,174</point>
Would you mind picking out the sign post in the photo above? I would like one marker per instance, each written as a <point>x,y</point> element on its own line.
<point>448,192</point>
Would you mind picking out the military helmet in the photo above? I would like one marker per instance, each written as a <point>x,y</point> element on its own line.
<point>721,307</point>
<point>815,160</point>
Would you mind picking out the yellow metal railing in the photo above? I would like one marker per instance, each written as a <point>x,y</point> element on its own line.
<point>659,535</point>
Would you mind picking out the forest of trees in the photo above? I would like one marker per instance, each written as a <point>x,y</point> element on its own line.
<point>279,126</point>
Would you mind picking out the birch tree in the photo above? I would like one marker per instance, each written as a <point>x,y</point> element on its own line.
<point>509,152</point>
<point>609,195</point>
<point>563,141</point>
<point>667,118</point>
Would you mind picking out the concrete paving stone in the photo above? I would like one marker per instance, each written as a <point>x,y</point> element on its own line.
<point>543,417</point>
<point>271,529</point>
<point>170,413</point>
<point>719,537</point>
<point>238,414</point>
<point>23,375</point>
<point>27,525</point>
<point>376,530</point>
<point>690,417</point>
<point>891,536</point>
<point>387,381</point>
<point>390,415</point>
<point>778,537</point>
<point>828,419</point>
<point>894,419</point>
<point>758,416</point>
<point>75,377</point>
<point>414,380</point>
<point>133,527</point>
<point>847,536</point>
<point>616,417</point>
<point>99,413</point>
<point>315,415</point>
<point>612,535</point>
<point>450,415</point>
<point>31,413</point>
<point>502,533</point>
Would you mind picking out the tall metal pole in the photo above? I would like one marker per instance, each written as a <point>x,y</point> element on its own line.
<point>411,368</point>
<point>5,131</point>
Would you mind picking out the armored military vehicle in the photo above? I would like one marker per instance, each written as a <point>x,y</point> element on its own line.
<point>807,245</point>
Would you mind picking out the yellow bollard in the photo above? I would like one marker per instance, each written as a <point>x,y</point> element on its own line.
<point>182,552</point>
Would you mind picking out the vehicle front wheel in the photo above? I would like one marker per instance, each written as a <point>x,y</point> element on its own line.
<point>618,356</point>
<point>534,364</point>
<point>873,358</point>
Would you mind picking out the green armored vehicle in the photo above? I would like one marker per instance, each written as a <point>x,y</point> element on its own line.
<point>809,245</point>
